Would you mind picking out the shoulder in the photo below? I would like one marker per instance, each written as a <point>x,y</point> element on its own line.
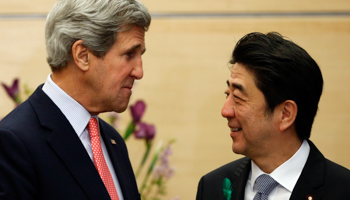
<point>20,118</point>
<point>332,170</point>
<point>25,117</point>
<point>228,170</point>
<point>336,181</point>
<point>211,185</point>
<point>328,173</point>
<point>337,172</point>
<point>230,166</point>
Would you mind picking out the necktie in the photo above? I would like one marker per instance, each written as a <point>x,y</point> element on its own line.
<point>99,160</point>
<point>264,184</point>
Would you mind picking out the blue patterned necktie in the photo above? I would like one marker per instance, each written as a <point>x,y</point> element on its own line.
<point>264,184</point>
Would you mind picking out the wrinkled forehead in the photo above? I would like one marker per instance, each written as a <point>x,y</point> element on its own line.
<point>242,76</point>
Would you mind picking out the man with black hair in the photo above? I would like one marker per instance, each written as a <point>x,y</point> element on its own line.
<point>272,98</point>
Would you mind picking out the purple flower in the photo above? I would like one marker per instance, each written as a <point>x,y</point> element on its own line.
<point>13,91</point>
<point>144,130</point>
<point>164,170</point>
<point>137,110</point>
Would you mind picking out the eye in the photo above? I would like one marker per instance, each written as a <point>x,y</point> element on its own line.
<point>236,97</point>
<point>130,54</point>
<point>226,93</point>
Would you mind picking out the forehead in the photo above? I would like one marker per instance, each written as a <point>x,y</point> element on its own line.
<point>241,78</point>
<point>133,36</point>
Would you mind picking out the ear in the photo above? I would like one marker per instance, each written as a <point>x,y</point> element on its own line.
<point>80,55</point>
<point>289,112</point>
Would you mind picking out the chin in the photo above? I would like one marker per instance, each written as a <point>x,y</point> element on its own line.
<point>236,150</point>
<point>121,108</point>
<point>120,104</point>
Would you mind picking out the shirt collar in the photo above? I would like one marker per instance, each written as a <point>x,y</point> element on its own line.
<point>75,113</point>
<point>288,173</point>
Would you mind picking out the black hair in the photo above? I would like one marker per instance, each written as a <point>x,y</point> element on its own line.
<point>283,71</point>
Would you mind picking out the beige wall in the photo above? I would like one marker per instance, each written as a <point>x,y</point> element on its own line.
<point>186,68</point>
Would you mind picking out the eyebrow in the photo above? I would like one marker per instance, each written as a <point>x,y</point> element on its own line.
<point>238,86</point>
<point>137,47</point>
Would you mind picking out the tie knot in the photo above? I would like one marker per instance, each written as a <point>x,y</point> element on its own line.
<point>265,184</point>
<point>93,127</point>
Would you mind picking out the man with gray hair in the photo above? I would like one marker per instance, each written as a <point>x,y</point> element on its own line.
<point>54,146</point>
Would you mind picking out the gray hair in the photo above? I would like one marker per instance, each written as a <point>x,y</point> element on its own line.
<point>96,22</point>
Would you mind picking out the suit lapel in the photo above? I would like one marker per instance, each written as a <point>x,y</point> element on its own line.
<point>312,176</point>
<point>240,177</point>
<point>119,157</point>
<point>65,142</point>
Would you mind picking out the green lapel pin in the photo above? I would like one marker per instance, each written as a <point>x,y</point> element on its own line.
<point>227,188</point>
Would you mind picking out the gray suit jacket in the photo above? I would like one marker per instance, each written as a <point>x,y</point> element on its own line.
<point>320,178</point>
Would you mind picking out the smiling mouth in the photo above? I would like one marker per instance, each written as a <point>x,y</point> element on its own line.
<point>235,129</point>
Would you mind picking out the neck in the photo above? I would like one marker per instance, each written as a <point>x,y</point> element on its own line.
<point>281,151</point>
<point>71,81</point>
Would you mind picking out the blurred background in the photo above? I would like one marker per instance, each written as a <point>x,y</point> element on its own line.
<point>189,45</point>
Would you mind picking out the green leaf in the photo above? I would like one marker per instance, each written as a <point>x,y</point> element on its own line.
<point>153,162</point>
<point>155,157</point>
<point>145,156</point>
<point>129,130</point>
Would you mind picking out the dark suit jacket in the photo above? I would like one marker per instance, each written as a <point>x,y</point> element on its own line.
<point>320,178</point>
<point>41,157</point>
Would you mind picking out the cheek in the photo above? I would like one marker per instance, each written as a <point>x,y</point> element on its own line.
<point>121,71</point>
<point>242,113</point>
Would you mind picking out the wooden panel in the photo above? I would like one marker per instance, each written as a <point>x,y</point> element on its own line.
<point>246,5</point>
<point>22,54</point>
<point>25,6</point>
<point>184,6</point>
<point>185,72</point>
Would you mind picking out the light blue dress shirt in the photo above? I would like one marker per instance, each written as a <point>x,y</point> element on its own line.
<point>78,117</point>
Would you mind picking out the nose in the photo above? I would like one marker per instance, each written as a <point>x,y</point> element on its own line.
<point>228,110</point>
<point>137,72</point>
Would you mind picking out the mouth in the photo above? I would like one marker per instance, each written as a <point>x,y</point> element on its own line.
<point>235,129</point>
<point>128,87</point>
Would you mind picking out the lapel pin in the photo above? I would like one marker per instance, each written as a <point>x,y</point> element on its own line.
<point>113,141</point>
<point>309,197</point>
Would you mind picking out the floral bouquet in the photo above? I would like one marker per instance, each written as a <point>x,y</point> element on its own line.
<point>159,170</point>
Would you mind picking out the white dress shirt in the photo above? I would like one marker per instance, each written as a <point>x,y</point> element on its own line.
<point>78,117</point>
<point>286,175</point>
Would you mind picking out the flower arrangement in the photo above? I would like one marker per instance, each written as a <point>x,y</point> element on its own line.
<point>13,91</point>
<point>158,172</point>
